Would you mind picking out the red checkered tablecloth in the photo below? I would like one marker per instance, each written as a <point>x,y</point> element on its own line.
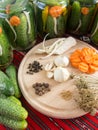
<point>38,121</point>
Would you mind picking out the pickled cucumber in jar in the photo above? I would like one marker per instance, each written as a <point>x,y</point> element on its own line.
<point>6,52</point>
<point>20,24</point>
<point>81,16</point>
<point>94,31</point>
<point>51,17</point>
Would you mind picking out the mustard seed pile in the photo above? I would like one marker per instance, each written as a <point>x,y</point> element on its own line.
<point>34,67</point>
<point>41,88</point>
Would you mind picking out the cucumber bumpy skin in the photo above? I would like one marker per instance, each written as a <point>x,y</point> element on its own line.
<point>7,53</point>
<point>61,24</point>
<point>86,20</point>
<point>14,100</point>
<point>74,16</point>
<point>6,86</point>
<point>94,31</point>
<point>12,74</point>
<point>50,26</point>
<point>21,31</point>
<point>13,124</point>
<point>12,110</point>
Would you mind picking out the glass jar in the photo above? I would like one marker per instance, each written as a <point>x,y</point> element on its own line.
<point>6,52</point>
<point>94,31</point>
<point>51,17</point>
<point>81,16</point>
<point>20,24</point>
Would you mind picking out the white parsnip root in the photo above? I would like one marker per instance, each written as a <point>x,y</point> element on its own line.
<point>58,47</point>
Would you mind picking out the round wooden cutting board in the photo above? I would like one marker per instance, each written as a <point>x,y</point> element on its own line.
<point>51,103</point>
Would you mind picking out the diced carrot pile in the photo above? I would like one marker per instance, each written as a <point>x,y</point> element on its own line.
<point>85,59</point>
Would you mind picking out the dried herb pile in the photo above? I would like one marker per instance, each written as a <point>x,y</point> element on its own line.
<point>88,93</point>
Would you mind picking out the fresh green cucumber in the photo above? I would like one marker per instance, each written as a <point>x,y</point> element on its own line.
<point>13,124</point>
<point>6,52</point>
<point>12,110</point>
<point>11,98</point>
<point>2,96</point>
<point>74,17</point>
<point>6,86</point>
<point>15,100</point>
<point>12,74</point>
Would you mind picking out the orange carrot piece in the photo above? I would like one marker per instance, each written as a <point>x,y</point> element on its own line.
<point>83,67</point>
<point>91,70</point>
<point>75,64</point>
<point>14,20</point>
<point>95,63</point>
<point>88,59</point>
<point>95,56</point>
<point>0,30</point>
<point>84,10</point>
<point>87,51</point>
<point>56,11</point>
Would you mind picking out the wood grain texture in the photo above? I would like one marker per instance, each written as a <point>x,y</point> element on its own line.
<point>51,103</point>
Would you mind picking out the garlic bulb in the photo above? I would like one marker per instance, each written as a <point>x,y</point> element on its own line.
<point>61,74</point>
<point>62,61</point>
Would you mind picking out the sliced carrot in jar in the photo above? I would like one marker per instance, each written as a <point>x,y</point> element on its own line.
<point>14,20</point>
<point>56,11</point>
<point>84,10</point>
<point>0,30</point>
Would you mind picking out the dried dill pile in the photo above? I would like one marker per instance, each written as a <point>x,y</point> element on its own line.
<point>88,93</point>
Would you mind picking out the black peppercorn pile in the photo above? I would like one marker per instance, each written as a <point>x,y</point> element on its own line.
<point>34,67</point>
<point>41,88</point>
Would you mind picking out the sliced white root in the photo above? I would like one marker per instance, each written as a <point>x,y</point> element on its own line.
<point>28,20</point>
<point>58,47</point>
<point>80,23</point>
<point>66,45</point>
<point>55,25</point>
<point>0,50</point>
<point>95,30</point>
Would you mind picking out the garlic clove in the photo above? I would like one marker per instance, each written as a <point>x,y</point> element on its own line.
<point>48,66</point>
<point>50,74</point>
<point>62,61</point>
<point>61,74</point>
